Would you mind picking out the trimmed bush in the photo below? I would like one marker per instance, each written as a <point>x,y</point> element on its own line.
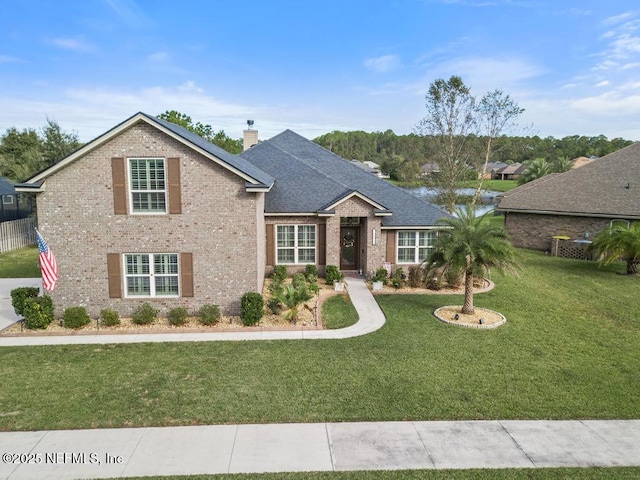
<point>75,317</point>
<point>310,270</point>
<point>19,295</point>
<point>177,316</point>
<point>279,273</point>
<point>332,274</point>
<point>144,314</point>
<point>209,314</point>
<point>109,317</point>
<point>398,278</point>
<point>38,312</point>
<point>298,280</point>
<point>252,308</point>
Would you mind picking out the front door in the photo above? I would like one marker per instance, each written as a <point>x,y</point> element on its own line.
<point>350,248</point>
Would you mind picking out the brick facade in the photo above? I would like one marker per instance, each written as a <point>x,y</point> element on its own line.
<point>221,225</point>
<point>536,231</point>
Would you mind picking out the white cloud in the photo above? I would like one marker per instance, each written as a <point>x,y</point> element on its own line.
<point>382,64</point>
<point>9,59</point>
<point>159,57</point>
<point>129,12</point>
<point>72,44</point>
<point>618,18</point>
<point>604,83</point>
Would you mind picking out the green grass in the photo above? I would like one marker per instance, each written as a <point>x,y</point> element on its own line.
<point>492,185</point>
<point>505,474</point>
<point>338,312</point>
<point>21,263</point>
<point>569,350</point>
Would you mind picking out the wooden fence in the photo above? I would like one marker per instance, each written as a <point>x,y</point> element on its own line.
<point>17,234</point>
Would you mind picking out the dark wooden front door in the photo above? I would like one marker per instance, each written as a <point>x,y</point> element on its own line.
<point>349,248</point>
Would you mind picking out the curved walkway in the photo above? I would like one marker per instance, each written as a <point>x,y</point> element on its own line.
<point>370,319</point>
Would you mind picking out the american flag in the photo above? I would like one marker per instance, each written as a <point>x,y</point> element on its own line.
<point>48,264</point>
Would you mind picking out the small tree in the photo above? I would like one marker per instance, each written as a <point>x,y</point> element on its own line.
<point>619,242</point>
<point>291,297</point>
<point>470,246</point>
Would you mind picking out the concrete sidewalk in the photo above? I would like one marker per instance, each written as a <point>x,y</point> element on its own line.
<point>125,452</point>
<point>370,316</point>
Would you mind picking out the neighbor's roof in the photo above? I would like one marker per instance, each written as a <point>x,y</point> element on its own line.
<point>311,179</point>
<point>6,187</point>
<point>608,187</point>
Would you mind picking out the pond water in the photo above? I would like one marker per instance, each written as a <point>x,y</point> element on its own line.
<point>486,202</point>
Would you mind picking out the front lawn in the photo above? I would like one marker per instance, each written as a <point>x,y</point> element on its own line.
<point>569,350</point>
<point>21,263</point>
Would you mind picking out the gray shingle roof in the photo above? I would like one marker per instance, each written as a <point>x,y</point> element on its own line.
<point>234,161</point>
<point>309,177</point>
<point>608,187</point>
<point>6,187</point>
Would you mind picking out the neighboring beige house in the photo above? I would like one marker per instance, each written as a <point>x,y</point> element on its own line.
<point>149,211</point>
<point>577,204</point>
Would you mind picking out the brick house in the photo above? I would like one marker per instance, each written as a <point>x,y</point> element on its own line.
<point>578,204</point>
<point>149,211</point>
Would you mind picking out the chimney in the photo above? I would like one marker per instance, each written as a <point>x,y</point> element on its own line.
<point>250,136</point>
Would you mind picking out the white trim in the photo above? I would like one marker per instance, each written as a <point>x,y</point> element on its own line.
<point>105,137</point>
<point>411,227</point>
<point>130,190</point>
<point>10,197</point>
<point>151,275</point>
<point>295,247</point>
<point>360,196</point>
<point>416,247</point>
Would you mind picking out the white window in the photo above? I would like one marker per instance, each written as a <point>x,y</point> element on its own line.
<point>7,199</point>
<point>414,246</point>
<point>151,274</point>
<point>147,185</point>
<point>295,244</point>
<point>619,223</point>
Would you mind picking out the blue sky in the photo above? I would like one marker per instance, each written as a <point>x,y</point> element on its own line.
<point>317,66</point>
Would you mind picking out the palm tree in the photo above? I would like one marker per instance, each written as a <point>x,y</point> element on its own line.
<point>537,168</point>
<point>619,242</point>
<point>471,245</point>
<point>292,297</point>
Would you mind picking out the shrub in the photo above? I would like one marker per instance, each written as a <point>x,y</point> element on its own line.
<point>38,312</point>
<point>109,317</point>
<point>178,316</point>
<point>279,273</point>
<point>292,297</point>
<point>298,280</point>
<point>332,274</point>
<point>310,270</point>
<point>75,317</point>
<point>453,277</point>
<point>381,275</point>
<point>251,308</point>
<point>19,295</point>
<point>144,314</point>
<point>209,314</point>
<point>274,304</point>
<point>416,275</point>
<point>398,279</point>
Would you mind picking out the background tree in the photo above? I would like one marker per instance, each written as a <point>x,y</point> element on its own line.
<point>619,242</point>
<point>56,143</point>
<point>470,246</point>
<point>536,169</point>
<point>496,111</point>
<point>450,119</point>
<point>205,131</point>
